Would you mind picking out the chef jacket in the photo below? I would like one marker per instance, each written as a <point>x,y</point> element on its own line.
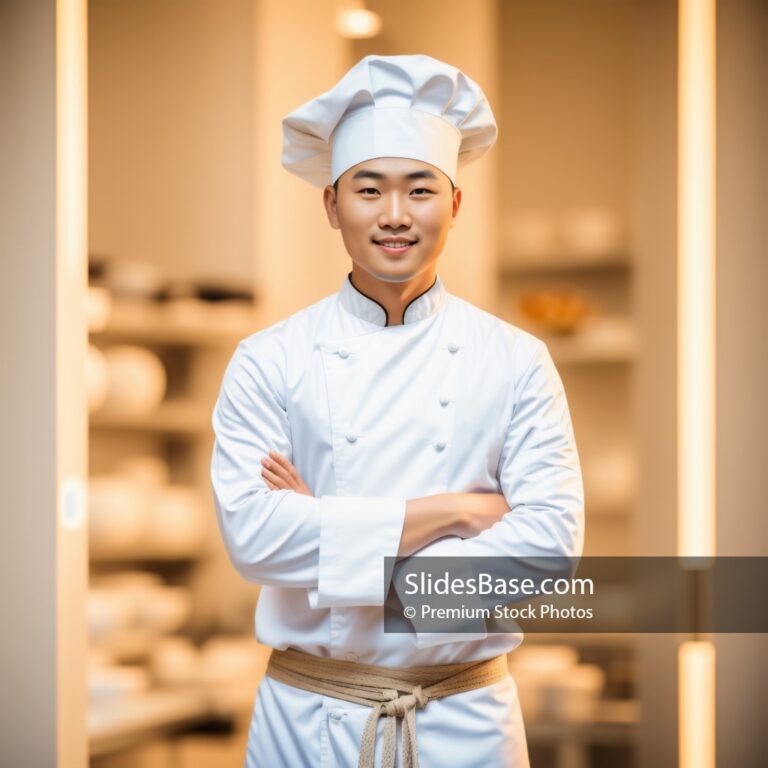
<point>452,400</point>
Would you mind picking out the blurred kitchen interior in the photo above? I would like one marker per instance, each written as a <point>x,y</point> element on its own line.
<point>198,237</point>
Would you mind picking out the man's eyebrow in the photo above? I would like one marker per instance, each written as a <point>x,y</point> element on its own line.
<point>367,174</point>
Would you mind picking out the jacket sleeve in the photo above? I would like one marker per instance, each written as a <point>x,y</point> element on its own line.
<point>540,476</point>
<point>282,538</point>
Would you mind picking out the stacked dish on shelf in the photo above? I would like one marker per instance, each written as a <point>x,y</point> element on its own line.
<point>137,511</point>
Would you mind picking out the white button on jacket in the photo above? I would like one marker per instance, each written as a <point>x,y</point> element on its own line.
<point>366,437</point>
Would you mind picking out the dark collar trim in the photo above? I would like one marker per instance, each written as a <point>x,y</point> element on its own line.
<point>383,309</point>
<point>418,297</point>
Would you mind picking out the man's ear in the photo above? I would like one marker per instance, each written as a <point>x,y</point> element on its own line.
<point>329,201</point>
<point>456,205</point>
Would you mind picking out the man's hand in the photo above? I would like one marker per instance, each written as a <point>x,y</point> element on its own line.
<point>475,512</point>
<point>279,474</point>
<point>449,514</point>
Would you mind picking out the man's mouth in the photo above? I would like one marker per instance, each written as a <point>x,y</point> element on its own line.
<point>394,245</point>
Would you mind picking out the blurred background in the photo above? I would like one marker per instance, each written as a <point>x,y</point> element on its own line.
<point>569,228</point>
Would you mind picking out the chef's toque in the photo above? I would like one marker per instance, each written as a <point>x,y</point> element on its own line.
<point>390,106</point>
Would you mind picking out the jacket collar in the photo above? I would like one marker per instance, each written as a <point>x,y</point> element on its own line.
<point>419,308</point>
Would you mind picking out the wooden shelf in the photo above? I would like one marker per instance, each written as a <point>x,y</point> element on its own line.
<point>174,417</point>
<point>187,323</point>
<point>518,264</point>
<point>611,339</point>
<point>133,719</point>
<point>143,552</point>
<point>615,723</point>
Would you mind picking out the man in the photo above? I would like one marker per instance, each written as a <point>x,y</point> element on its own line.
<point>388,419</point>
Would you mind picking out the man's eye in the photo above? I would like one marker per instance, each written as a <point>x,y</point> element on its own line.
<point>369,189</point>
<point>422,189</point>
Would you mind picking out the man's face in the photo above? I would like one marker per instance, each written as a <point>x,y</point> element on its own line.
<point>394,215</point>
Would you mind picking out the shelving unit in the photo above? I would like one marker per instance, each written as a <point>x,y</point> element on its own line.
<point>564,202</point>
<point>596,364</point>
<point>195,341</point>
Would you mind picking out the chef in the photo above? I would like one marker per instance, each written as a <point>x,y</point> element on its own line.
<point>390,418</point>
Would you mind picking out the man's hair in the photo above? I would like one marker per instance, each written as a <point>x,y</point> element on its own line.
<point>336,186</point>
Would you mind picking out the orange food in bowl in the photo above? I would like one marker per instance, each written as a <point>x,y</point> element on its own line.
<point>559,312</point>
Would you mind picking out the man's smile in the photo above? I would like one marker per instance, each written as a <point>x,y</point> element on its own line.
<point>394,246</point>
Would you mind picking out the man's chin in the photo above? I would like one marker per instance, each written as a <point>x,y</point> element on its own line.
<point>393,273</point>
<point>400,277</point>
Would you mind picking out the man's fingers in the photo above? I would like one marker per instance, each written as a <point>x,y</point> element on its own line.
<point>276,469</point>
<point>284,463</point>
<point>271,477</point>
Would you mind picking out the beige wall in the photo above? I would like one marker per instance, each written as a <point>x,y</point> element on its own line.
<point>299,258</point>
<point>742,367</point>
<point>172,134</point>
<point>654,210</point>
<point>566,110</point>
<point>27,308</point>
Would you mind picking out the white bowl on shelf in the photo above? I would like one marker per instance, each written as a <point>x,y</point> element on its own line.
<point>98,307</point>
<point>137,380</point>
<point>164,609</point>
<point>532,668</point>
<point>97,378</point>
<point>146,469</point>
<point>575,695</point>
<point>543,659</point>
<point>175,520</point>
<point>132,278</point>
<point>175,661</point>
<point>132,589</point>
<point>106,684</point>
<point>108,612</point>
<point>232,657</point>
<point>591,231</point>
<point>116,512</point>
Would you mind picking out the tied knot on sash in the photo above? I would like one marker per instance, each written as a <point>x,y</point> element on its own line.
<point>398,705</point>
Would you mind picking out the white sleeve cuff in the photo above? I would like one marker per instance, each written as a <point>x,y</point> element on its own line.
<point>452,630</point>
<point>356,534</point>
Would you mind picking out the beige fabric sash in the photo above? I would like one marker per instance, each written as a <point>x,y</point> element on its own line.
<point>391,691</point>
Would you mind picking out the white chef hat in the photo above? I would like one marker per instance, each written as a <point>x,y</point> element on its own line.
<point>390,106</point>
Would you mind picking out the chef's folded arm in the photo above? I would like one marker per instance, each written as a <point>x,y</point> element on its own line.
<point>283,538</point>
<point>540,476</point>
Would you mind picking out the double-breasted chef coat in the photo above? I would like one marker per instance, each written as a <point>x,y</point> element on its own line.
<point>452,400</point>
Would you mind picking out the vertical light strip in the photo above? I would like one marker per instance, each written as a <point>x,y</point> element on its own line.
<point>71,134</point>
<point>696,703</point>
<point>696,356</point>
<point>696,278</point>
<point>71,399</point>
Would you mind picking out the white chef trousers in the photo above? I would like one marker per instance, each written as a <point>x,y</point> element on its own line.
<point>293,728</point>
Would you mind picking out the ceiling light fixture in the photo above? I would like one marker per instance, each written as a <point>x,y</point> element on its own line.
<point>355,21</point>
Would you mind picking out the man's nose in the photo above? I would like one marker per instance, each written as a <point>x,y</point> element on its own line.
<point>395,213</point>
